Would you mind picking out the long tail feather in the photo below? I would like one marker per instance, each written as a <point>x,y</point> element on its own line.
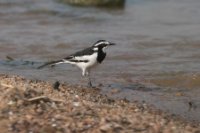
<point>50,63</point>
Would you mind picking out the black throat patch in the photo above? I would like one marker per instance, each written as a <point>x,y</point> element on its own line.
<point>101,55</point>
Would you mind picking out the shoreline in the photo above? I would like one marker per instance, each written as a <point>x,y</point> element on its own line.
<point>38,106</point>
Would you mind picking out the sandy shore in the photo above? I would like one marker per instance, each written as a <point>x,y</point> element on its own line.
<point>41,107</point>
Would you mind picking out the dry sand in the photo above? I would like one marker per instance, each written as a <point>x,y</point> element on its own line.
<point>31,106</point>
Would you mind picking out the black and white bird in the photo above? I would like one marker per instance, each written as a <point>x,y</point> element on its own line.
<point>86,58</point>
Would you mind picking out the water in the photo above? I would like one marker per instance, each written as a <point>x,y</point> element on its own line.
<point>158,45</point>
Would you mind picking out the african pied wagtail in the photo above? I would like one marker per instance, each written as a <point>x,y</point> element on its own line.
<point>85,59</point>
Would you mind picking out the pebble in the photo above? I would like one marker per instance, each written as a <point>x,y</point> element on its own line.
<point>56,85</point>
<point>11,103</point>
<point>76,104</point>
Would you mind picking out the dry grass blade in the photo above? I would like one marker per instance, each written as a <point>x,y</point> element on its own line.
<point>6,85</point>
<point>44,98</point>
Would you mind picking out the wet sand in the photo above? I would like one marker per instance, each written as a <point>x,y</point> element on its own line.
<point>39,106</point>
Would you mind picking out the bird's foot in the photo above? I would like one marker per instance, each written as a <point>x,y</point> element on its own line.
<point>90,84</point>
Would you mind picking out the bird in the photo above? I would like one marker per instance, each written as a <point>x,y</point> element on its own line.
<point>85,59</point>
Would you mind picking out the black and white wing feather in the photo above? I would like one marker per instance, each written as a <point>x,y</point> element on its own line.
<point>73,58</point>
<point>87,51</point>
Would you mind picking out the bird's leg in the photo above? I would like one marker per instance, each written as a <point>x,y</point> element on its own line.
<point>86,75</point>
<point>89,82</point>
<point>82,80</point>
<point>89,79</point>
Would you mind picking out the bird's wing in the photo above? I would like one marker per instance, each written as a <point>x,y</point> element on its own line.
<point>80,55</point>
<point>73,58</point>
<point>87,51</point>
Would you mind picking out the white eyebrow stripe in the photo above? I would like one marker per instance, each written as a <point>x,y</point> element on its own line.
<point>105,42</point>
<point>98,43</point>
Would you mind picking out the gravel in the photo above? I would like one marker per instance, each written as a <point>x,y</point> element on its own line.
<point>32,106</point>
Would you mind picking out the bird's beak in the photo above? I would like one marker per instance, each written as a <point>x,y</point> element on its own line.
<point>112,44</point>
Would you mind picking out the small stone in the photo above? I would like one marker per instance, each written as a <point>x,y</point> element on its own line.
<point>54,125</point>
<point>29,117</point>
<point>76,96</point>
<point>114,91</point>
<point>76,104</point>
<point>136,110</point>
<point>11,103</point>
<point>105,127</point>
<point>53,119</point>
<point>179,94</point>
<point>56,85</point>
<point>10,113</point>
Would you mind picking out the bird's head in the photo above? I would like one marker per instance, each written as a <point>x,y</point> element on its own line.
<point>102,44</point>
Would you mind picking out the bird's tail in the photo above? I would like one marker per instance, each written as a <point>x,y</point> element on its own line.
<point>51,63</point>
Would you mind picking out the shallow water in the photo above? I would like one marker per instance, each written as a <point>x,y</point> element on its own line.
<point>158,43</point>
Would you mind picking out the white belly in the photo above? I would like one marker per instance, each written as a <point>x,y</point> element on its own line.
<point>92,61</point>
